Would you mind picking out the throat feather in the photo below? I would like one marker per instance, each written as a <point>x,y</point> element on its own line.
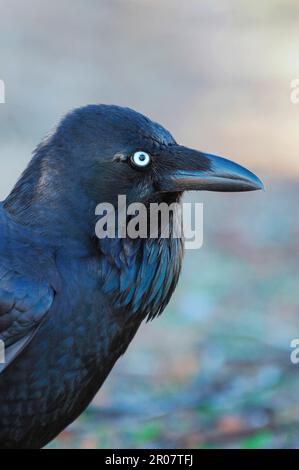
<point>140,275</point>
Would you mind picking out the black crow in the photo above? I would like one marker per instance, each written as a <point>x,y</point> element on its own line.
<point>70,302</point>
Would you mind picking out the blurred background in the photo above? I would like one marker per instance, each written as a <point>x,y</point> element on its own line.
<point>214,371</point>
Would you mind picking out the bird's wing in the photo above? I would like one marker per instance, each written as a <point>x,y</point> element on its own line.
<point>24,302</point>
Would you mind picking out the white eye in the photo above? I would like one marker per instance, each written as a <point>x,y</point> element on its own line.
<point>141,159</point>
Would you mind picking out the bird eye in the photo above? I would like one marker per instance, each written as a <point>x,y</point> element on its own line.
<point>141,159</point>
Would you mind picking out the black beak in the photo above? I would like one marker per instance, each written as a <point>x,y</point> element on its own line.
<point>189,170</point>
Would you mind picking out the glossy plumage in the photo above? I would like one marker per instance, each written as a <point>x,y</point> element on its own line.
<point>70,303</point>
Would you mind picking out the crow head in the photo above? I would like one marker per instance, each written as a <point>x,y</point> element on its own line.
<point>95,154</point>
<point>99,152</point>
<point>119,151</point>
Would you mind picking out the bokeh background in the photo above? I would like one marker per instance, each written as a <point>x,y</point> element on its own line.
<point>215,369</point>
